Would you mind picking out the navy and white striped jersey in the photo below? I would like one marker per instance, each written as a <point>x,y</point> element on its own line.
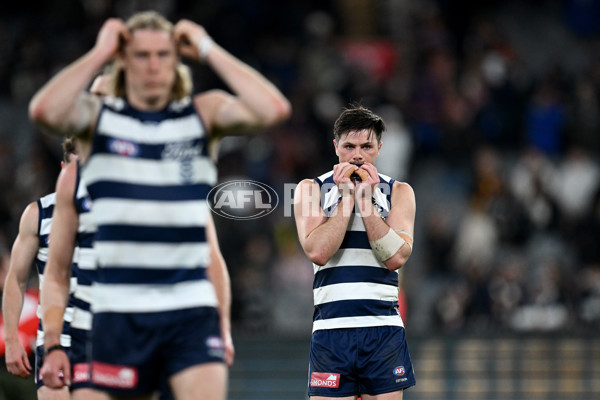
<point>148,176</point>
<point>354,289</point>
<point>46,208</point>
<point>84,258</point>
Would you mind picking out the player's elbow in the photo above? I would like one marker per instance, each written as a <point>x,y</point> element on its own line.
<point>396,262</point>
<point>280,112</point>
<point>39,111</point>
<point>284,109</point>
<point>36,110</point>
<point>319,258</point>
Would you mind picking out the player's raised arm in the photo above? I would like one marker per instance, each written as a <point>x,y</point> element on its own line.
<point>255,102</point>
<point>61,106</point>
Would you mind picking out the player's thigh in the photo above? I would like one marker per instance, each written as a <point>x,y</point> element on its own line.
<point>397,395</point>
<point>149,397</point>
<point>45,393</point>
<point>206,382</point>
<point>89,394</point>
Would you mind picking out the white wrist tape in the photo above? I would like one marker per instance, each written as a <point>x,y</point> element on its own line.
<point>206,43</point>
<point>385,247</point>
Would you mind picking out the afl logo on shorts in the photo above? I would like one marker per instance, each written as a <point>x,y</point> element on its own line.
<point>399,371</point>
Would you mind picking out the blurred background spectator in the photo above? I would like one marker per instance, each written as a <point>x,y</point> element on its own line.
<point>493,117</point>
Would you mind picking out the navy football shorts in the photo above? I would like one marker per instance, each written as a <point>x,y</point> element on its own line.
<point>80,360</point>
<point>355,361</point>
<point>132,353</point>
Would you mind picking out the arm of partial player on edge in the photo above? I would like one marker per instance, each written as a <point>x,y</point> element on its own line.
<point>22,257</point>
<point>55,288</point>
<point>219,276</point>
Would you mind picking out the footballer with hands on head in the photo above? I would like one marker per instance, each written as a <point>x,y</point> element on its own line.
<point>150,134</point>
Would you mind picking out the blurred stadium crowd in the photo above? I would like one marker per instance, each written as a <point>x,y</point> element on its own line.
<point>493,115</point>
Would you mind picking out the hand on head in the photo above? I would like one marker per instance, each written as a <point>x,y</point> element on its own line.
<point>112,36</point>
<point>188,36</point>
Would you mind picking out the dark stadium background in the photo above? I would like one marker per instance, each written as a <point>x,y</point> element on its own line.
<point>493,112</point>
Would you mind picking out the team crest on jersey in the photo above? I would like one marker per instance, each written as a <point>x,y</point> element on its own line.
<point>184,152</point>
<point>181,150</point>
<point>123,147</point>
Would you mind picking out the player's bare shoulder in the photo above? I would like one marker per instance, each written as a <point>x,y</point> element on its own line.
<point>402,192</point>
<point>208,105</point>
<point>29,219</point>
<point>90,104</point>
<point>307,189</point>
<point>403,187</point>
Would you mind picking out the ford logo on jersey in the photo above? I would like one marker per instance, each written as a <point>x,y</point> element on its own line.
<point>242,199</point>
<point>399,371</point>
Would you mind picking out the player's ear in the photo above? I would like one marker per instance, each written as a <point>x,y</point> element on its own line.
<point>335,147</point>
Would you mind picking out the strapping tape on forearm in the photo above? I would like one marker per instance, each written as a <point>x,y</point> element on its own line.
<point>386,246</point>
<point>406,236</point>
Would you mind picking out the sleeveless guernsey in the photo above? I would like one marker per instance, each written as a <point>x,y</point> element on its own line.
<point>354,289</point>
<point>148,176</point>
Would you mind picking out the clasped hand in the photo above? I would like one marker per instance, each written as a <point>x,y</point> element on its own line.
<point>358,189</point>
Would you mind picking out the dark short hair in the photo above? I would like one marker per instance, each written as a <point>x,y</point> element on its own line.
<point>358,118</point>
<point>68,147</point>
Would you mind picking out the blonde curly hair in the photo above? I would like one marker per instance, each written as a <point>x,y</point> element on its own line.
<point>153,21</point>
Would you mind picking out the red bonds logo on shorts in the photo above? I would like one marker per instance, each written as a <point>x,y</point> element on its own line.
<point>114,376</point>
<point>324,379</point>
<point>81,373</point>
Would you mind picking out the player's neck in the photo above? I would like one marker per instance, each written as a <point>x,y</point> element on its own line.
<point>148,104</point>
